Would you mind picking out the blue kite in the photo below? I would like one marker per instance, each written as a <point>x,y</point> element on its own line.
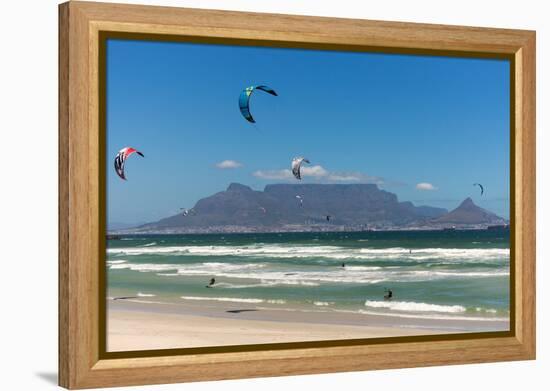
<point>244,99</point>
<point>480,186</point>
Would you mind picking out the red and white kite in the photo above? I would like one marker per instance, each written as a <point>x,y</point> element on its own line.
<point>121,157</point>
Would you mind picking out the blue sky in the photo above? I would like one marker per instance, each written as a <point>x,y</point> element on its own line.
<point>395,120</point>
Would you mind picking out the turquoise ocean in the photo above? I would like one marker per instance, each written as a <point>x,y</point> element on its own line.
<point>432,274</point>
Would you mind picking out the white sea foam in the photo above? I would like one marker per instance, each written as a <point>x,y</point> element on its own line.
<point>289,282</point>
<point>118,261</point>
<point>273,277</point>
<point>322,303</point>
<point>269,276</point>
<point>265,283</point>
<point>473,274</point>
<point>324,252</point>
<point>411,306</point>
<point>191,269</point>
<point>486,310</point>
<point>150,244</point>
<point>427,275</point>
<point>145,294</point>
<point>145,267</point>
<point>449,254</point>
<point>438,316</point>
<point>230,299</point>
<point>363,268</point>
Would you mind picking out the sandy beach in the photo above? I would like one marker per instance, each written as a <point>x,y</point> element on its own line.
<point>145,325</point>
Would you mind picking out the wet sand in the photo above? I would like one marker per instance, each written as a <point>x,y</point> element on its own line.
<point>134,324</point>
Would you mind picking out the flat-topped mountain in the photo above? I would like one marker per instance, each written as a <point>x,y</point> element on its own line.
<point>469,213</point>
<point>281,206</point>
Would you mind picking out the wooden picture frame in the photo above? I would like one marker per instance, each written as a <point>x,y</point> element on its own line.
<point>83,362</point>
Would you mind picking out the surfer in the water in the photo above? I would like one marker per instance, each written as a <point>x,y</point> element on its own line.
<point>343,264</point>
<point>211,283</point>
<point>388,295</point>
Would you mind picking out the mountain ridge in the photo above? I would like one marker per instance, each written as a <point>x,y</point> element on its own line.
<point>277,208</point>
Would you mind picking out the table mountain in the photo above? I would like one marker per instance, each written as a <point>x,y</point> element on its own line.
<point>277,207</point>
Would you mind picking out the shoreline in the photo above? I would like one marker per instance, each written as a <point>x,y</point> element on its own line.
<point>130,325</point>
<point>331,229</point>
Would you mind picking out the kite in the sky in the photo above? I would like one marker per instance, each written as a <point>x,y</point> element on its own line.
<point>186,212</point>
<point>244,100</point>
<point>480,186</point>
<point>296,165</point>
<point>120,160</point>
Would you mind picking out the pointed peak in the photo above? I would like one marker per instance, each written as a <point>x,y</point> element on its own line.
<point>467,202</point>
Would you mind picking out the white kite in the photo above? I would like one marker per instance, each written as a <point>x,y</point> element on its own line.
<point>296,165</point>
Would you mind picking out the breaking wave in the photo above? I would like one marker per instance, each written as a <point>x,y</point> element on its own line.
<point>411,306</point>
<point>272,275</point>
<point>327,252</point>
<point>145,294</point>
<point>322,303</point>
<point>230,299</point>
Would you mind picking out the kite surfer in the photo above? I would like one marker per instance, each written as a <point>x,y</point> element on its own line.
<point>211,283</point>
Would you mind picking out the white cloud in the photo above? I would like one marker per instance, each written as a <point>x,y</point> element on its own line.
<point>228,164</point>
<point>425,186</point>
<point>273,174</point>
<point>320,174</point>
<point>344,177</point>
<point>354,177</point>
<point>314,171</point>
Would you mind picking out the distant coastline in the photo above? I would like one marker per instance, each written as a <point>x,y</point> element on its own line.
<point>116,234</point>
